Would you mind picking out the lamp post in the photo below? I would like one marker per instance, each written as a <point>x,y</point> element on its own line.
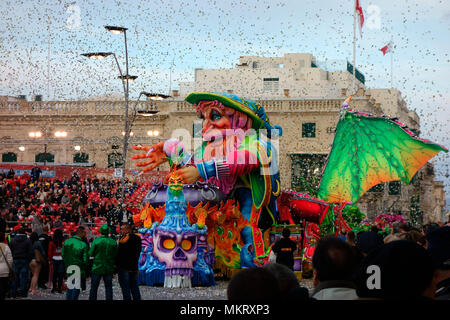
<point>125,83</point>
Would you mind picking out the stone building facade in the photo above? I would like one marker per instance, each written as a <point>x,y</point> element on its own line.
<point>305,102</point>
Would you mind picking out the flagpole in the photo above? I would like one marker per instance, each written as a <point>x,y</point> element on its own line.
<point>392,64</point>
<point>354,47</point>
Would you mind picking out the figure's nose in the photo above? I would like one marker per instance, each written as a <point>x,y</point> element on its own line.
<point>179,255</point>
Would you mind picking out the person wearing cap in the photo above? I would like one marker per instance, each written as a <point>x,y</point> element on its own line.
<point>104,252</point>
<point>439,249</point>
<point>237,155</point>
<point>75,253</point>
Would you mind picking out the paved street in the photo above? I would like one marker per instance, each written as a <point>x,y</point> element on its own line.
<point>217,292</point>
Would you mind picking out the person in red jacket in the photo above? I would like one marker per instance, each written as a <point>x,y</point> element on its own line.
<point>54,256</point>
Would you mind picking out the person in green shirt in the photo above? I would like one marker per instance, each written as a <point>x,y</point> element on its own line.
<point>75,253</point>
<point>104,252</point>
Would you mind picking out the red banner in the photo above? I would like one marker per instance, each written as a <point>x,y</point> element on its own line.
<point>61,172</point>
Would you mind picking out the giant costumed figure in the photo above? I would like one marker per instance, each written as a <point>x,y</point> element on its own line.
<point>236,157</point>
<point>223,197</point>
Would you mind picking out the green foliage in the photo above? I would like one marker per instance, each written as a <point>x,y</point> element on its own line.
<point>353,216</point>
<point>309,187</point>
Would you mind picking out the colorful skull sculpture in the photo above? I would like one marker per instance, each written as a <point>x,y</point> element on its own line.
<point>175,242</point>
<point>178,251</point>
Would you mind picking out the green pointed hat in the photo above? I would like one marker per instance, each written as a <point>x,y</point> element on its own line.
<point>255,111</point>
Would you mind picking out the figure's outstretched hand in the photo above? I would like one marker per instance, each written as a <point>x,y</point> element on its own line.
<point>154,153</point>
<point>189,175</point>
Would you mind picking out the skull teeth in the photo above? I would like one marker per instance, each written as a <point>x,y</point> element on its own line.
<point>177,281</point>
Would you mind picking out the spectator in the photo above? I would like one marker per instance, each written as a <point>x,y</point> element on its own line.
<point>2,224</point>
<point>287,282</point>
<point>392,237</point>
<point>284,249</point>
<point>439,248</point>
<point>45,240</point>
<point>39,259</point>
<point>104,252</point>
<point>351,237</point>
<point>429,227</point>
<point>253,284</point>
<point>65,199</point>
<point>405,272</point>
<point>112,217</point>
<point>124,215</point>
<point>54,256</point>
<point>333,265</point>
<point>368,241</point>
<point>403,227</point>
<point>75,253</point>
<point>11,220</point>
<point>22,252</point>
<point>128,254</point>
<point>36,223</point>
<point>11,174</point>
<point>58,224</point>
<point>6,262</point>
<point>36,173</point>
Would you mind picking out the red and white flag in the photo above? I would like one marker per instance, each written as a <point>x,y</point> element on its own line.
<point>360,16</point>
<point>387,48</point>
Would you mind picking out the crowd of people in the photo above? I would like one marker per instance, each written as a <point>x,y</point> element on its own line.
<point>47,225</point>
<point>35,202</point>
<point>410,263</point>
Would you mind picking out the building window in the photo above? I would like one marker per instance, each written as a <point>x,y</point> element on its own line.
<point>395,188</point>
<point>44,157</point>
<point>377,188</point>
<point>271,84</point>
<point>308,130</point>
<point>255,65</point>
<point>81,157</point>
<point>9,157</point>
<point>115,160</point>
<point>306,170</point>
<point>197,129</point>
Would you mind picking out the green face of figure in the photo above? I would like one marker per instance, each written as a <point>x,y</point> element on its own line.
<point>175,184</point>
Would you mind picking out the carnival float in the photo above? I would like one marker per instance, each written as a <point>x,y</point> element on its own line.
<point>221,208</point>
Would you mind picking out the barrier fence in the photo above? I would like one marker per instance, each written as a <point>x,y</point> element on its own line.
<point>66,171</point>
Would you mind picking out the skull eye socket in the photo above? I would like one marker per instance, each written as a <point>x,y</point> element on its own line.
<point>186,244</point>
<point>168,244</point>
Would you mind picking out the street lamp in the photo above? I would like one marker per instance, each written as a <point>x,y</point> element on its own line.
<point>116,30</point>
<point>155,97</point>
<point>97,55</point>
<point>77,148</point>
<point>125,83</point>
<point>22,148</point>
<point>126,79</point>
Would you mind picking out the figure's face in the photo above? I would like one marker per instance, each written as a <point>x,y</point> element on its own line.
<point>215,122</point>
<point>175,184</point>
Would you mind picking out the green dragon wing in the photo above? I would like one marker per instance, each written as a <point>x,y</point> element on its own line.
<point>368,150</point>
